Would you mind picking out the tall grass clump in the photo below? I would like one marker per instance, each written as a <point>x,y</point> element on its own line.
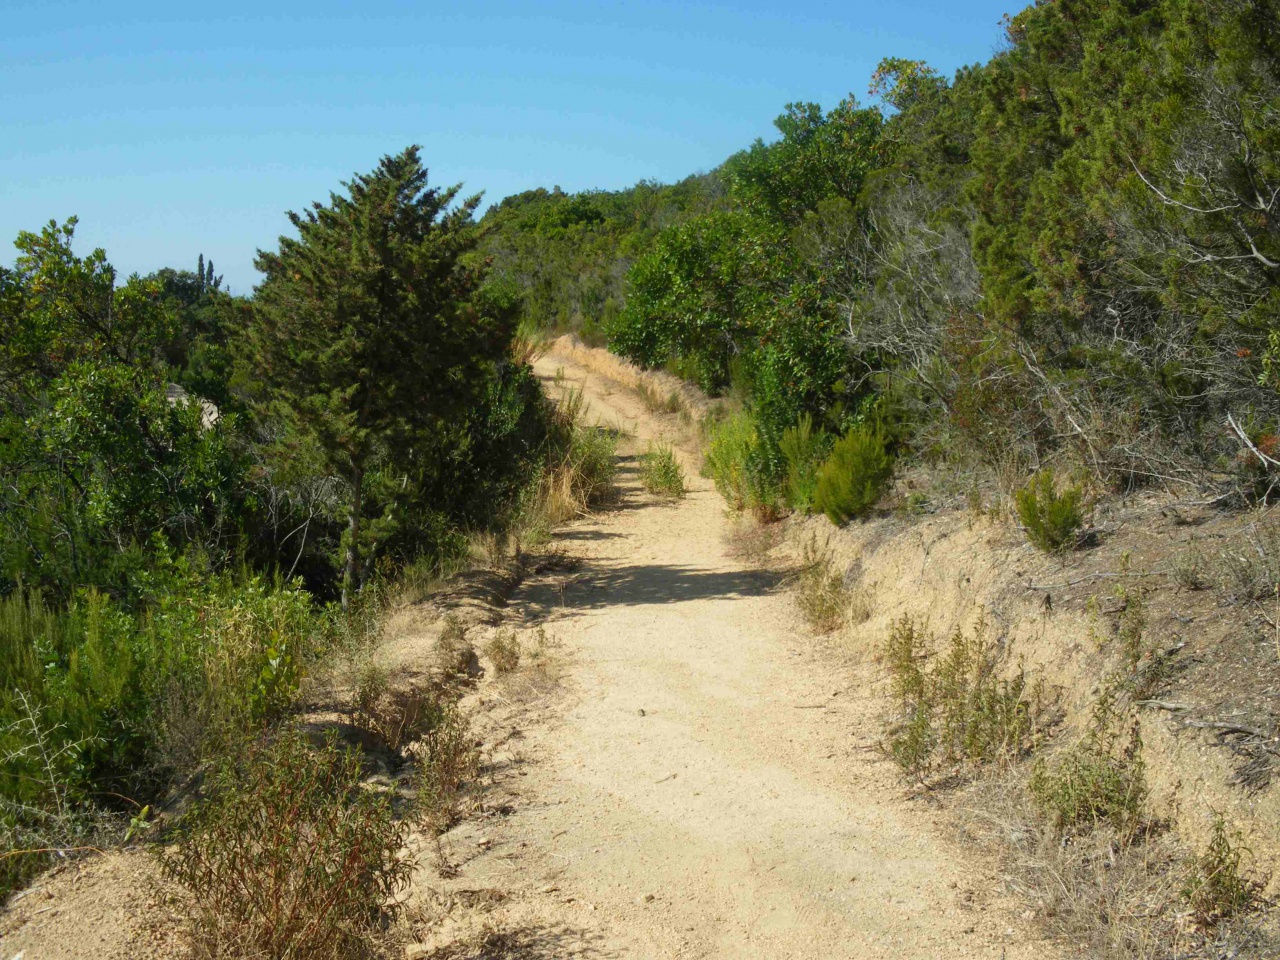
<point>729,445</point>
<point>448,760</point>
<point>660,472</point>
<point>657,402</point>
<point>289,856</point>
<point>581,465</point>
<point>1051,517</point>
<point>825,601</point>
<point>855,475</point>
<point>804,450</point>
<point>744,466</point>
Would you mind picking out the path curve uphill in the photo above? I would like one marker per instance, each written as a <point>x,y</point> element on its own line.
<point>708,786</point>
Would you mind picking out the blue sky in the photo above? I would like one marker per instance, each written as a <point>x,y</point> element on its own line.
<point>178,128</point>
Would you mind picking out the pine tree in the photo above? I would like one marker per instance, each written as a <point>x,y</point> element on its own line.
<point>200,274</point>
<point>370,330</point>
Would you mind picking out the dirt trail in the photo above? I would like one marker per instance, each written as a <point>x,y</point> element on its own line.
<point>703,783</point>
<point>708,787</point>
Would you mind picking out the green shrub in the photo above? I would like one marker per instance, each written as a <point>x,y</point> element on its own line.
<point>854,476</point>
<point>746,465</point>
<point>289,856</point>
<point>804,450</point>
<point>1103,778</point>
<point>954,706</point>
<point>125,702</point>
<point>1216,889</point>
<point>729,446</point>
<point>42,807</point>
<point>1051,517</point>
<point>660,472</point>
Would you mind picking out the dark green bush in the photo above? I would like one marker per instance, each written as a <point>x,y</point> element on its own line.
<point>1051,517</point>
<point>854,476</point>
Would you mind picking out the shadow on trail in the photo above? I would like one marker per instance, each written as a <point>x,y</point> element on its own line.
<point>587,535</point>
<point>528,943</point>
<point>641,585</point>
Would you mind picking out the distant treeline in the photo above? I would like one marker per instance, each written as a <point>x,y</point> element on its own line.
<point>1070,253</point>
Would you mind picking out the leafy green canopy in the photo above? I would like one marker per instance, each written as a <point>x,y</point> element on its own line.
<point>101,463</point>
<point>566,255</point>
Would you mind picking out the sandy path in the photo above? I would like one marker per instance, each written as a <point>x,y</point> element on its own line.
<point>709,787</point>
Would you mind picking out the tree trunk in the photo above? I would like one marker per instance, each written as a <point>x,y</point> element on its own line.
<point>351,575</point>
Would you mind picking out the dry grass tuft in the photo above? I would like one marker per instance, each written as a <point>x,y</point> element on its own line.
<point>753,542</point>
<point>448,762</point>
<point>1105,892</point>
<point>824,600</point>
<point>660,472</point>
<point>392,717</point>
<point>656,401</point>
<point>503,650</point>
<point>458,660</point>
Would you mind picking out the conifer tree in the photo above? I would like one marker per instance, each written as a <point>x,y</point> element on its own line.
<point>370,330</point>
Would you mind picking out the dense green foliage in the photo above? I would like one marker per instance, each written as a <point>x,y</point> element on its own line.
<point>186,478</point>
<point>1068,256</point>
<point>854,476</point>
<point>1071,252</point>
<point>372,334</point>
<point>804,450</point>
<point>567,254</point>
<point>1051,516</point>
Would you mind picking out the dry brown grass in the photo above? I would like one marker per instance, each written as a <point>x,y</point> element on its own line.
<point>1106,893</point>
<point>288,857</point>
<point>753,542</point>
<point>392,717</point>
<point>503,650</point>
<point>457,657</point>
<point>448,765</point>
<point>659,401</point>
<point>826,602</point>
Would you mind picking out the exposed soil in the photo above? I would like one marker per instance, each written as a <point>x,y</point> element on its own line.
<point>704,784</point>
<point>691,779</point>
